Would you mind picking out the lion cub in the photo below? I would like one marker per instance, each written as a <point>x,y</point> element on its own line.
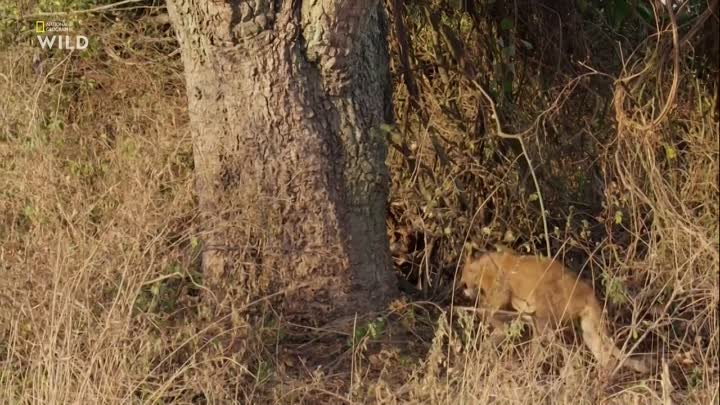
<point>545,289</point>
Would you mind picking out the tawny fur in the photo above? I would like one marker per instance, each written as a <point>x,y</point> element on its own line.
<point>547,290</point>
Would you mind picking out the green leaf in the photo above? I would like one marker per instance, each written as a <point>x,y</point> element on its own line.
<point>614,289</point>
<point>507,87</point>
<point>618,11</point>
<point>645,13</point>
<point>387,128</point>
<point>506,24</point>
<point>583,6</point>
<point>618,217</point>
<point>670,152</point>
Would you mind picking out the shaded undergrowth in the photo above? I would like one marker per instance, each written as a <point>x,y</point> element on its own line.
<point>619,132</point>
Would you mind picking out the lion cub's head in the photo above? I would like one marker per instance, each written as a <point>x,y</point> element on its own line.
<point>480,275</point>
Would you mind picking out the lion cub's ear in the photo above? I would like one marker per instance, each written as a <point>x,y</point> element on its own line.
<point>500,247</point>
<point>471,255</point>
<point>478,253</point>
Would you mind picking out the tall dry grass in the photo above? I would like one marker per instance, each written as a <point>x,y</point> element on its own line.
<point>98,246</point>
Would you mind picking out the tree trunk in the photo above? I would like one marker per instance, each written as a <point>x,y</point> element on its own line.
<point>286,101</point>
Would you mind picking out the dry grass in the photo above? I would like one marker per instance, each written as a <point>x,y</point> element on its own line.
<point>98,248</point>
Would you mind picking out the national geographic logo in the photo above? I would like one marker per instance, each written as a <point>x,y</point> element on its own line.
<point>42,26</point>
<point>68,42</point>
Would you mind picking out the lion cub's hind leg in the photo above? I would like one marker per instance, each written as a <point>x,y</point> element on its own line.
<point>595,337</point>
<point>600,343</point>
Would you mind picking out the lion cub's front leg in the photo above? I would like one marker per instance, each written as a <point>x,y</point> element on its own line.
<point>497,298</point>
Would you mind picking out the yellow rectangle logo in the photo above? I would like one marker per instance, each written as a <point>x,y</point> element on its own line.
<point>39,26</point>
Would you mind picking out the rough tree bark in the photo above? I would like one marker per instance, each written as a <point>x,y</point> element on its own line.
<point>286,99</point>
